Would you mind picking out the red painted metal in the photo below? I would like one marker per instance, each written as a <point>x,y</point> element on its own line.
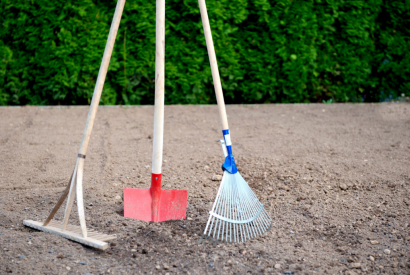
<point>155,204</point>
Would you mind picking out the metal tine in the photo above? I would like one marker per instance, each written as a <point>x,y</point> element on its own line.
<point>244,210</point>
<point>265,221</point>
<point>248,206</point>
<point>238,213</point>
<point>200,239</point>
<point>217,221</point>
<point>217,210</point>
<point>210,229</point>
<point>216,242</point>
<point>214,229</point>
<point>226,231</point>
<point>223,213</point>
<point>205,239</point>
<point>269,220</point>
<point>260,223</point>
<point>230,213</point>
<point>221,209</point>
<point>235,226</point>
<point>216,200</point>
<point>270,226</point>
<point>239,226</point>
<point>262,227</point>
<point>218,204</point>
<point>227,207</point>
<point>253,205</point>
<point>244,231</point>
<point>235,230</point>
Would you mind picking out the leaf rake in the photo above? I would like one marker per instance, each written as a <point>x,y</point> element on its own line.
<point>237,215</point>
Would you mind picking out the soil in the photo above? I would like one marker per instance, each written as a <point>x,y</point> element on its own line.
<point>334,178</point>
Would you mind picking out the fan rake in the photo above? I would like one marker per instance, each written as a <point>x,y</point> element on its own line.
<point>236,215</point>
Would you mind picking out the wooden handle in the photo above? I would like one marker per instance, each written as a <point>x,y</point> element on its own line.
<point>159,88</point>
<point>214,65</point>
<point>101,76</point>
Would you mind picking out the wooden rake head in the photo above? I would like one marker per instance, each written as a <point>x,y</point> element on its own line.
<point>76,233</point>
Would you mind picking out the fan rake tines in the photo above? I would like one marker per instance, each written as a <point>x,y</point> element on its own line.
<point>237,215</point>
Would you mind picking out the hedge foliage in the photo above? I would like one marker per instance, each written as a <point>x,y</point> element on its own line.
<point>267,50</point>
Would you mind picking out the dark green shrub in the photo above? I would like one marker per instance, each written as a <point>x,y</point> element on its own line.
<point>268,51</point>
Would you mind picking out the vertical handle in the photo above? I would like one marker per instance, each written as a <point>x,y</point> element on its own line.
<point>214,65</point>
<point>101,76</point>
<point>159,88</point>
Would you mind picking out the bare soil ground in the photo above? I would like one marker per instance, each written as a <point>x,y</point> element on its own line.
<point>335,179</point>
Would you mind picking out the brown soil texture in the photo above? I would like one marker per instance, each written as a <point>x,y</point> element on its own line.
<point>335,179</point>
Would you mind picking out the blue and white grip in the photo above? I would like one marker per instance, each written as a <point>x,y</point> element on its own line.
<point>229,164</point>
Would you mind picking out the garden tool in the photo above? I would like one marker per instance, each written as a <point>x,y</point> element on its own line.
<point>155,204</point>
<point>236,215</point>
<point>75,186</point>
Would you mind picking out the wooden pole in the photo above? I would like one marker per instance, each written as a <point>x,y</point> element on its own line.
<point>101,76</point>
<point>159,88</point>
<point>214,65</point>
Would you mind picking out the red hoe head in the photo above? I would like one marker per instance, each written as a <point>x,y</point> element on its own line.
<point>155,204</point>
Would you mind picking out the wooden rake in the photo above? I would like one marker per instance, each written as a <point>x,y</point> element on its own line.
<point>75,186</point>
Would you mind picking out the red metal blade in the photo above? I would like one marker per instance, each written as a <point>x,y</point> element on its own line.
<point>172,205</point>
<point>155,204</point>
<point>138,204</point>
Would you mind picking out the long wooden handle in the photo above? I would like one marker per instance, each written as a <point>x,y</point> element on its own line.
<point>214,65</point>
<point>101,76</point>
<point>159,88</point>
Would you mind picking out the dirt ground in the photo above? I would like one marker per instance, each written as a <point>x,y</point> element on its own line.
<point>334,178</point>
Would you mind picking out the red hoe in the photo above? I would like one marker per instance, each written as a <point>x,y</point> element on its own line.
<point>156,204</point>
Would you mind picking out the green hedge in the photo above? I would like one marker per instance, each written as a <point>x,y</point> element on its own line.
<point>268,51</point>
